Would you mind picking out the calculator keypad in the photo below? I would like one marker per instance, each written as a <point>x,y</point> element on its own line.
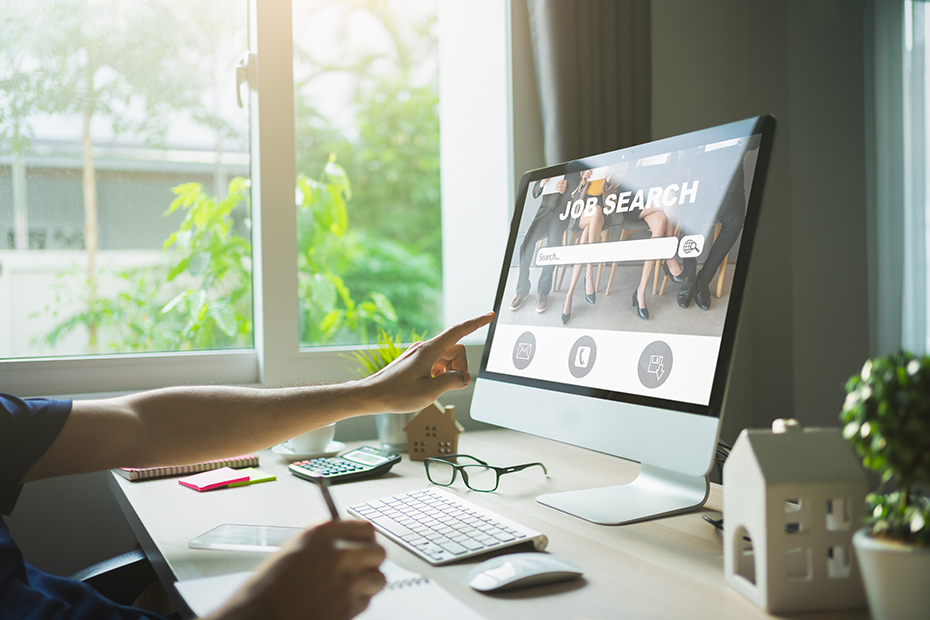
<point>329,467</point>
<point>346,467</point>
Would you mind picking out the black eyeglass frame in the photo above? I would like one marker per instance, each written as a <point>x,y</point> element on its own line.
<point>461,468</point>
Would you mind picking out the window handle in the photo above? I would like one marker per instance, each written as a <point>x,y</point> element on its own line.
<point>246,71</point>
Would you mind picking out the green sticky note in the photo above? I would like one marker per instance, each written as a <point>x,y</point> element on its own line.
<point>255,476</point>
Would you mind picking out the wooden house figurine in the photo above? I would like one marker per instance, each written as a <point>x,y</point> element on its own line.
<point>793,498</point>
<point>433,432</point>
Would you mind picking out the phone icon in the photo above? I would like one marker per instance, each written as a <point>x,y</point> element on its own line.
<point>582,357</point>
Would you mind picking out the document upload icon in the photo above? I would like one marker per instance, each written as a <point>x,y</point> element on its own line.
<point>524,350</point>
<point>582,356</point>
<point>657,366</point>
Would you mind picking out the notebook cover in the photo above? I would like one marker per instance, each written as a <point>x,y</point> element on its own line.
<point>149,473</point>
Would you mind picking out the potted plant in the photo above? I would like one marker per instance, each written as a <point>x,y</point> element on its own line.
<point>389,347</point>
<point>886,418</point>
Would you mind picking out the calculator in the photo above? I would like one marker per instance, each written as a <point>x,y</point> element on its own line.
<point>365,462</point>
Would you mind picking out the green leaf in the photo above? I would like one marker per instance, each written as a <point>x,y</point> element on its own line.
<point>224,316</point>
<point>178,269</point>
<point>198,305</point>
<point>199,263</point>
<point>331,322</point>
<point>171,305</point>
<point>343,291</point>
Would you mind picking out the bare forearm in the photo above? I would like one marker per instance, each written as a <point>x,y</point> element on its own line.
<point>183,425</point>
<point>177,426</point>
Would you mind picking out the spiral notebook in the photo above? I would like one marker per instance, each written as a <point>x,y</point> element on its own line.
<point>407,596</point>
<point>148,473</point>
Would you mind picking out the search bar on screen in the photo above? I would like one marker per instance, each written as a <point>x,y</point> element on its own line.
<point>612,251</point>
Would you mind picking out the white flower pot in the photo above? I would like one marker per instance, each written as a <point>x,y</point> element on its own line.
<point>391,430</point>
<point>896,578</point>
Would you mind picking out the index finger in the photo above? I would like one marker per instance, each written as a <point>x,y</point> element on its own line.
<point>455,333</point>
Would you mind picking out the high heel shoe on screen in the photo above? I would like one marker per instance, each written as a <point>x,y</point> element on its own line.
<point>676,279</point>
<point>643,313</point>
<point>592,297</point>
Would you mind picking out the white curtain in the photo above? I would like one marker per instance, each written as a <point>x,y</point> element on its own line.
<point>898,169</point>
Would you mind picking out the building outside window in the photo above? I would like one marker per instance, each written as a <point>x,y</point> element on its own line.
<point>126,221</point>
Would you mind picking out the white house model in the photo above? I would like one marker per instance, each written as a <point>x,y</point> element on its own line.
<point>792,500</point>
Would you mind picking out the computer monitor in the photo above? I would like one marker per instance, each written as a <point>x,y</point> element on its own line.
<point>635,365</point>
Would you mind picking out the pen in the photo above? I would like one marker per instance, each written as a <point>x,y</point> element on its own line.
<point>323,483</point>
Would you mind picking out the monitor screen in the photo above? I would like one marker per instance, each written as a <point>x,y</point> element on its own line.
<point>623,270</point>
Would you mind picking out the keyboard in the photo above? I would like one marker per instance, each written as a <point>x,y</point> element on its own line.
<point>441,527</point>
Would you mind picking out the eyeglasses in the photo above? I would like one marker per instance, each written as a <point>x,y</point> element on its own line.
<point>477,475</point>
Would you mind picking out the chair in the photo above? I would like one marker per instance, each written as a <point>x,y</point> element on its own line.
<point>121,578</point>
<point>627,228</point>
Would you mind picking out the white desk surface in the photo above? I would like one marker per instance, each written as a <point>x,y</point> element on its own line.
<point>665,568</point>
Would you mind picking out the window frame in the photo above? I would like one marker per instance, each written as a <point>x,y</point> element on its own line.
<point>276,357</point>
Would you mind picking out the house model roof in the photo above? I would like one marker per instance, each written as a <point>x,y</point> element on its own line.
<point>426,416</point>
<point>816,455</point>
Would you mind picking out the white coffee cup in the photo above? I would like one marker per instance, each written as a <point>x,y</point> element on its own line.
<point>313,442</point>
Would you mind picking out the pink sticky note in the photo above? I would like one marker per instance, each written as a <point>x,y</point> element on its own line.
<point>214,479</point>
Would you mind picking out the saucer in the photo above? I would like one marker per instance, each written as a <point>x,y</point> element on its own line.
<point>332,449</point>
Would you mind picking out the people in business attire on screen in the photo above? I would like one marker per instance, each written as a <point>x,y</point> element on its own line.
<point>722,198</point>
<point>660,217</point>
<point>554,192</point>
<point>316,576</point>
<point>590,221</point>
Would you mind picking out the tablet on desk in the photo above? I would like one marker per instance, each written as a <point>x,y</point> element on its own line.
<point>255,538</point>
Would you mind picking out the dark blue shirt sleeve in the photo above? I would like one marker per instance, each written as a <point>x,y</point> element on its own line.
<point>27,429</point>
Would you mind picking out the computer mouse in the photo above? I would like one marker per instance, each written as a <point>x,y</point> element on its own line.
<point>520,570</point>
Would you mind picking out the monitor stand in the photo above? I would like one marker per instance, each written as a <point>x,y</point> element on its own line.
<point>655,492</point>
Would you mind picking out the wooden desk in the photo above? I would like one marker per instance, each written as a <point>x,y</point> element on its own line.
<point>666,568</point>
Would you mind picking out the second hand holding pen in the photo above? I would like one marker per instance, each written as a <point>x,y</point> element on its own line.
<point>323,483</point>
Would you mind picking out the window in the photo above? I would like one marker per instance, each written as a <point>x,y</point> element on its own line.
<point>916,323</point>
<point>366,87</point>
<point>270,152</point>
<point>897,118</point>
<point>124,178</point>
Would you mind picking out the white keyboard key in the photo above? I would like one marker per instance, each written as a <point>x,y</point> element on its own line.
<point>454,548</point>
<point>391,526</point>
<point>472,545</point>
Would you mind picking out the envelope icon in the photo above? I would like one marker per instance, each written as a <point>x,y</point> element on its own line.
<point>524,350</point>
